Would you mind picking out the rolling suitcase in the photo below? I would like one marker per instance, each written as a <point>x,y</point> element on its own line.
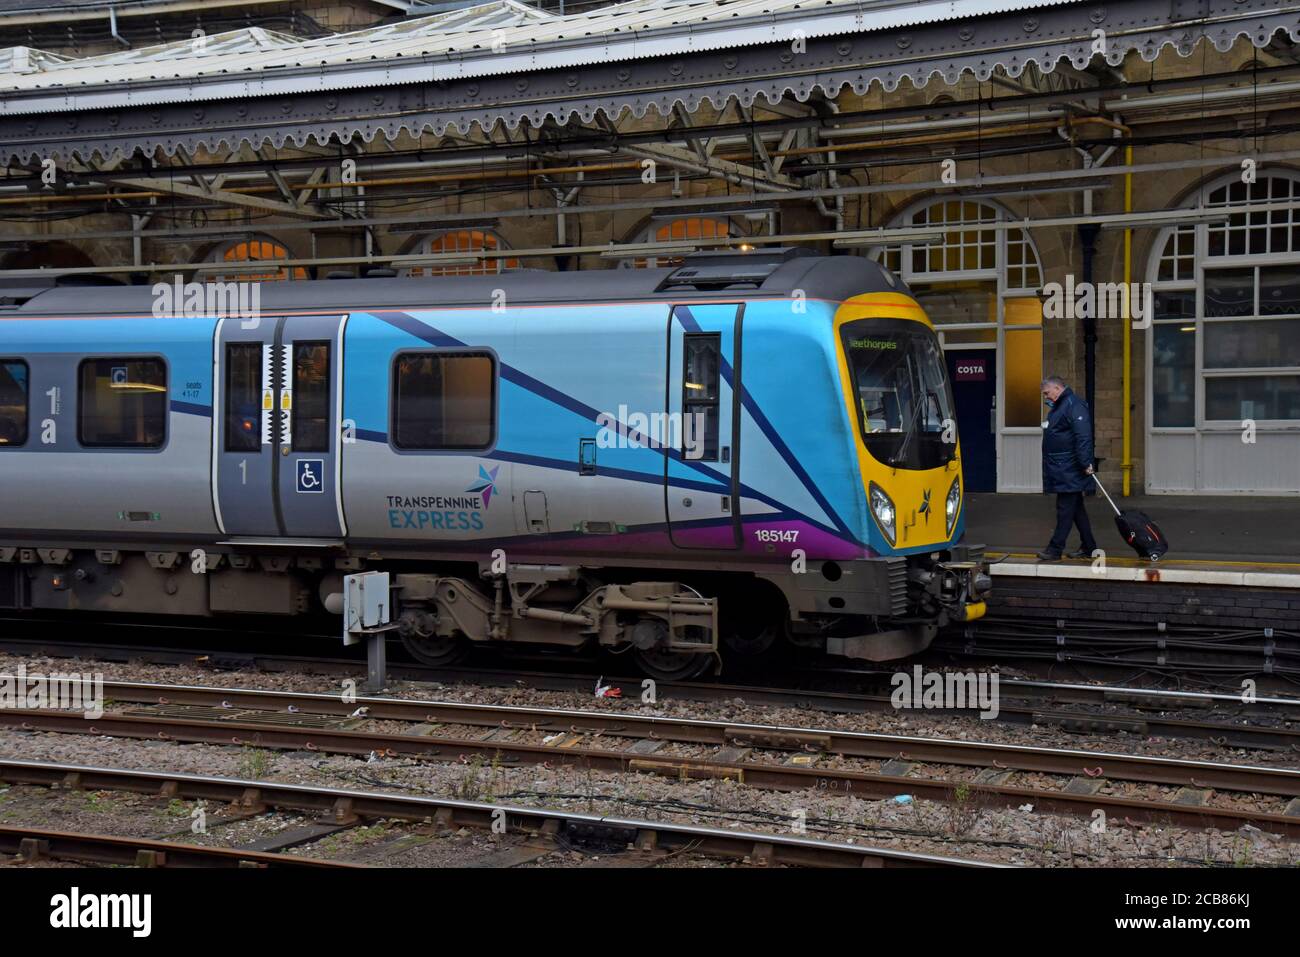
<point>1138,529</point>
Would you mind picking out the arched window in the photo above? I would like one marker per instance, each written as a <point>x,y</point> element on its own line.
<point>979,285</point>
<point>968,245</point>
<point>686,228</point>
<point>461,241</point>
<point>253,249</point>
<point>1224,342</point>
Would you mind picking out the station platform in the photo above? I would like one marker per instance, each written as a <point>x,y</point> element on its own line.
<point>1234,561</point>
<point>1220,529</point>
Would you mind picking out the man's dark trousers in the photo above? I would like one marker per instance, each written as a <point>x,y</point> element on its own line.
<point>1070,511</point>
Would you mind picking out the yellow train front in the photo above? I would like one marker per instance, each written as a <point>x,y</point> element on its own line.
<point>909,455</point>
<point>885,455</point>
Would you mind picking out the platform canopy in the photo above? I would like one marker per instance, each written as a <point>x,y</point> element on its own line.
<point>506,62</point>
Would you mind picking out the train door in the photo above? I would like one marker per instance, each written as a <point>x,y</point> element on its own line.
<point>702,466</point>
<point>278,427</point>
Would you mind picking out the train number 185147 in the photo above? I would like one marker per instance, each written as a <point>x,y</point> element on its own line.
<point>776,534</point>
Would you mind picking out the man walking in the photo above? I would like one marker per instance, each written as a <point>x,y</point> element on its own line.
<point>1067,463</point>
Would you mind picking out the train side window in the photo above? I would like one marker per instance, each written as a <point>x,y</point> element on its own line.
<point>311,396</point>
<point>244,397</point>
<point>13,402</point>
<point>122,403</point>
<point>444,401</point>
<point>701,368</point>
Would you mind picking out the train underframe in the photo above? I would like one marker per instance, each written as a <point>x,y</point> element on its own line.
<point>676,621</point>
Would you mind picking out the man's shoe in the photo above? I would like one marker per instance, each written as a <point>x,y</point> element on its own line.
<point>1047,555</point>
<point>1083,553</point>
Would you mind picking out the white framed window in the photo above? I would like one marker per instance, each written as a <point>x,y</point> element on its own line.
<point>254,249</point>
<point>684,229</point>
<point>979,285</point>
<point>1224,344</point>
<point>970,249</point>
<point>980,288</point>
<point>1225,337</point>
<point>452,241</point>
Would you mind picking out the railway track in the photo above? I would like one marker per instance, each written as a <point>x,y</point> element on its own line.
<point>655,838</point>
<point>32,844</point>
<point>763,756</point>
<point>1265,723</point>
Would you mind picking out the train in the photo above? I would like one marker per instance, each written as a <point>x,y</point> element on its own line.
<point>736,451</point>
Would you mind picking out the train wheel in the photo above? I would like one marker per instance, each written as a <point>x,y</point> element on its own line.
<point>754,623</point>
<point>752,642</point>
<point>435,651</point>
<point>672,665</point>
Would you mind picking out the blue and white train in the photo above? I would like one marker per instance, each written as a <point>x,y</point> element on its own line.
<point>744,449</point>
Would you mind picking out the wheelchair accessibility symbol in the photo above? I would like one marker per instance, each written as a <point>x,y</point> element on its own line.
<point>311,475</point>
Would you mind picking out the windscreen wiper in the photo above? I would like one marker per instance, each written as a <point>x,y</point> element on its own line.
<point>911,427</point>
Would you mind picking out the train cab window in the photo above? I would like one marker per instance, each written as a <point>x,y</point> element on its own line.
<point>443,400</point>
<point>244,397</point>
<point>122,403</point>
<point>904,405</point>
<point>701,369</point>
<point>13,402</point>
<point>311,397</point>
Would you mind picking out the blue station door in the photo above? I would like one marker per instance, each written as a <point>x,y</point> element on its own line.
<point>702,460</point>
<point>278,428</point>
<point>973,374</point>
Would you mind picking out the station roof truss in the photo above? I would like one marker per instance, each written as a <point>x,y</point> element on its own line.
<point>505,63</point>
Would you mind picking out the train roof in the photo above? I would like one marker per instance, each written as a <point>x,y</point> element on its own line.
<point>773,273</point>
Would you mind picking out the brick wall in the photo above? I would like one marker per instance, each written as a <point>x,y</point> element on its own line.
<point>1206,606</point>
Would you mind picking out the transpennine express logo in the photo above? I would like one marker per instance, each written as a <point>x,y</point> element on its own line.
<point>486,485</point>
<point>445,513</point>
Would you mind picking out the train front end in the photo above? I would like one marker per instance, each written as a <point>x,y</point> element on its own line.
<point>912,513</point>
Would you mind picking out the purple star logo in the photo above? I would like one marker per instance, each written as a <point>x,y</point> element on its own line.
<point>486,485</point>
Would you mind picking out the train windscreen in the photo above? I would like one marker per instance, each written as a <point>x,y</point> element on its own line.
<point>904,404</point>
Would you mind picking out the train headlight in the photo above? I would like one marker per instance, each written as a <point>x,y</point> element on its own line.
<point>953,504</point>
<point>882,506</point>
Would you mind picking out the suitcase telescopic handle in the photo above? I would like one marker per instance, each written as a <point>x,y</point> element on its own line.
<point>1104,492</point>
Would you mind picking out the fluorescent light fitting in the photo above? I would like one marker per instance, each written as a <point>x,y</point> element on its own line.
<point>238,268</point>
<point>436,260</point>
<point>1173,217</point>
<point>1072,186</point>
<point>636,251</point>
<point>698,212</point>
<point>443,225</point>
<point>893,237</point>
